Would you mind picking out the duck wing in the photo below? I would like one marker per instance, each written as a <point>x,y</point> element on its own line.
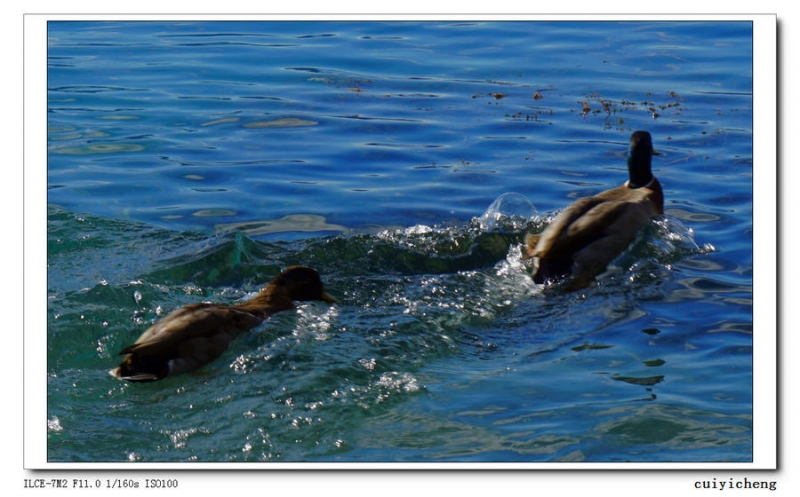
<point>185,339</point>
<point>577,225</point>
<point>623,220</point>
<point>194,324</point>
<point>588,234</point>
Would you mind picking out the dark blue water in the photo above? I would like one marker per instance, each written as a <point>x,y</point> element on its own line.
<point>192,161</point>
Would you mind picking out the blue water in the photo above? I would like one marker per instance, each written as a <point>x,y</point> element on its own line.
<point>191,161</point>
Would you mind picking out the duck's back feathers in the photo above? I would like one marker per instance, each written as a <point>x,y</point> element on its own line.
<point>192,321</point>
<point>591,232</point>
<point>184,340</point>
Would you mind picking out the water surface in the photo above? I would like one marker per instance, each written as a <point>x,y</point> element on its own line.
<point>192,161</point>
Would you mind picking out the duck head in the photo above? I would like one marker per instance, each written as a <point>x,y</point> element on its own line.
<point>639,159</point>
<point>302,283</point>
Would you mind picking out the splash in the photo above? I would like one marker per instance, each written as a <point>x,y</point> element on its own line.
<point>509,212</point>
<point>673,238</point>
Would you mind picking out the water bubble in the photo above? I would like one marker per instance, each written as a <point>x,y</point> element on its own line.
<point>509,212</point>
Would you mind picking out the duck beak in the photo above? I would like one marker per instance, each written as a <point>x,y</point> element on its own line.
<point>656,152</point>
<point>327,298</point>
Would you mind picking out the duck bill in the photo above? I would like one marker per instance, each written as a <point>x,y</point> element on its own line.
<point>327,298</point>
<point>656,152</point>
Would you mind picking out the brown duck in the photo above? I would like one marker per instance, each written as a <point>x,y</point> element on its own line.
<point>590,233</point>
<point>197,334</point>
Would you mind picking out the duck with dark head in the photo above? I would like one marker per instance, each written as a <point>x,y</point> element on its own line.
<point>584,238</point>
<point>195,335</point>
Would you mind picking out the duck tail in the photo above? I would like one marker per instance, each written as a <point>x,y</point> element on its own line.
<point>530,242</point>
<point>137,367</point>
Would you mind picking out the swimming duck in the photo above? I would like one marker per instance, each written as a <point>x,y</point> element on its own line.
<point>192,336</point>
<point>591,232</point>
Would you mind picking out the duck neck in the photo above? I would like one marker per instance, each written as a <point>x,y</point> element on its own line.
<point>270,300</point>
<point>639,172</point>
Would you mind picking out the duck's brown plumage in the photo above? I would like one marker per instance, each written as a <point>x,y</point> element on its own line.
<point>591,232</point>
<point>192,336</point>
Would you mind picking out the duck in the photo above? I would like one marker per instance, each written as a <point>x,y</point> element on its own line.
<point>196,334</point>
<point>586,236</point>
